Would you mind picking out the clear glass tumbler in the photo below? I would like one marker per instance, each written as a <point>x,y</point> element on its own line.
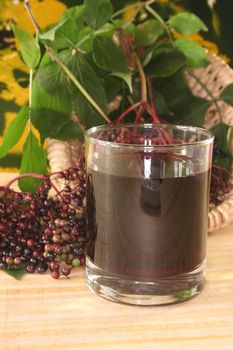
<point>147,205</point>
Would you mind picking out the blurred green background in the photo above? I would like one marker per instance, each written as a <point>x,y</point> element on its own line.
<point>14,75</point>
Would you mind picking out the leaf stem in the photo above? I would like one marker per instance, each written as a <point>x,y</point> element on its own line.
<point>56,59</point>
<point>31,15</point>
<point>161,21</point>
<point>130,7</point>
<point>30,98</point>
<point>92,34</point>
<point>142,78</point>
<point>213,99</point>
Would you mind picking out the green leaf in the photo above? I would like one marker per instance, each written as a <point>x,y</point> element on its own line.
<point>127,77</point>
<point>227,94</point>
<point>17,273</point>
<point>160,103</point>
<point>112,87</point>
<point>61,36</point>
<point>49,122</point>
<point>108,56</point>
<point>225,159</point>
<point>155,51</point>
<point>148,32</point>
<point>187,23</point>
<point>88,78</point>
<point>14,131</point>
<point>220,131</point>
<point>119,23</point>
<point>51,105</point>
<point>77,14</point>
<point>161,48</point>
<point>85,39</point>
<point>29,47</point>
<point>185,108</point>
<point>195,54</point>
<point>33,161</point>
<point>97,12</point>
<point>71,131</point>
<point>194,112</point>
<point>166,64</point>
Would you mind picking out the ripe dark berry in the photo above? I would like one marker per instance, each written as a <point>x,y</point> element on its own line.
<point>66,271</point>
<point>42,268</point>
<point>55,274</point>
<point>54,266</point>
<point>31,268</point>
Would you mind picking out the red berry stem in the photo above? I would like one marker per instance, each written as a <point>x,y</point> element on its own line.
<point>127,111</point>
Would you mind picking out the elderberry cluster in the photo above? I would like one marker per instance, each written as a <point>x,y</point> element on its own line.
<point>42,231</point>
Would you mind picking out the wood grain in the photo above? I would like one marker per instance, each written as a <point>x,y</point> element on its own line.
<point>41,313</point>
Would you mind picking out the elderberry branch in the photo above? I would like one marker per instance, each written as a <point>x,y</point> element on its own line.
<point>56,59</point>
<point>35,176</point>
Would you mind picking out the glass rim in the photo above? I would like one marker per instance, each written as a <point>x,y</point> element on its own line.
<point>209,135</point>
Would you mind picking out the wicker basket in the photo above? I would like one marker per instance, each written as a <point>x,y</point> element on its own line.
<point>215,77</point>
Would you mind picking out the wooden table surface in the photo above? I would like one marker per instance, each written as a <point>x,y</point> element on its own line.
<point>39,312</point>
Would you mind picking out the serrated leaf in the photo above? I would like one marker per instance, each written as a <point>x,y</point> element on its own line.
<point>160,103</point>
<point>70,131</point>
<point>195,54</point>
<point>33,161</point>
<point>76,13</point>
<point>51,105</point>
<point>148,32</point>
<point>97,12</point>
<point>14,131</point>
<point>85,39</point>
<point>108,56</point>
<point>187,23</point>
<point>112,87</point>
<point>185,108</point>
<point>88,78</point>
<point>227,94</point>
<point>194,113</point>
<point>127,77</point>
<point>166,64</point>
<point>29,47</point>
<point>86,113</point>
<point>61,36</point>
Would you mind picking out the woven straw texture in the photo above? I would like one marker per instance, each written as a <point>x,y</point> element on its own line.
<point>212,80</point>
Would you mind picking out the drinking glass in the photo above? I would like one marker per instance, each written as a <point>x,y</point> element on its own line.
<point>147,208</point>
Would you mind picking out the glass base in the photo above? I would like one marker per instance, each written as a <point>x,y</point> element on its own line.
<point>156,291</point>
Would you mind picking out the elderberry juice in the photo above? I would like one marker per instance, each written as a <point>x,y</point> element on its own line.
<point>147,227</point>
